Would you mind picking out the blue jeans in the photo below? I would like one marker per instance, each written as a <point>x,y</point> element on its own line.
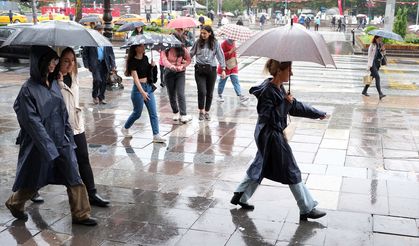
<point>138,103</point>
<point>234,79</point>
<point>300,192</point>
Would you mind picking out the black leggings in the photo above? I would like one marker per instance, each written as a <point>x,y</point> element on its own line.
<point>374,73</point>
<point>85,169</point>
<point>205,81</point>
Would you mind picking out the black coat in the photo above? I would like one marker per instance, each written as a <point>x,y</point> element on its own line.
<point>274,159</point>
<point>46,154</point>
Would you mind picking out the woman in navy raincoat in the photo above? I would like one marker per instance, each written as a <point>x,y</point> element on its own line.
<point>46,154</point>
<point>274,159</point>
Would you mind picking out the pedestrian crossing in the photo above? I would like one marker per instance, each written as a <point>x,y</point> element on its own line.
<point>399,77</point>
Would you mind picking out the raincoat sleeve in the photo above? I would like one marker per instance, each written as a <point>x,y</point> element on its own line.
<point>300,109</point>
<point>31,122</point>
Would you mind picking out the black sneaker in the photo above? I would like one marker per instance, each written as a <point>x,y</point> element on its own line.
<point>86,222</point>
<point>235,200</point>
<point>20,215</point>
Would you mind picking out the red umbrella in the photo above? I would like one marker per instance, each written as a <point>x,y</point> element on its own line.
<point>183,22</point>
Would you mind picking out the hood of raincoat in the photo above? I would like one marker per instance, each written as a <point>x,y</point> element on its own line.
<point>40,57</point>
<point>257,90</point>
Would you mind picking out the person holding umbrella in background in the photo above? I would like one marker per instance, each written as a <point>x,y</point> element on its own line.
<point>375,55</point>
<point>207,51</point>
<point>46,154</point>
<point>175,60</point>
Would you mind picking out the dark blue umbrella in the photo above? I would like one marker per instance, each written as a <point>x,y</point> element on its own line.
<point>386,34</point>
<point>130,26</point>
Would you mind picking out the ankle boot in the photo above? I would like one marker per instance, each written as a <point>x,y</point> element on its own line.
<point>364,91</point>
<point>236,201</point>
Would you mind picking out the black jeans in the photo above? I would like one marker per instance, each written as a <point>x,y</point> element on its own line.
<point>85,169</point>
<point>99,80</point>
<point>374,73</point>
<point>205,81</point>
<point>175,84</point>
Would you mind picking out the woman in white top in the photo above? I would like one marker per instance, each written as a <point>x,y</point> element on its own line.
<point>376,53</point>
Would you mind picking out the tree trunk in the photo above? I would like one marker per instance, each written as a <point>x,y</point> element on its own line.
<point>78,10</point>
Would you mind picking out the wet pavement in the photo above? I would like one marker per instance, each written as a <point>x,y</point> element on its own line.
<point>361,165</point>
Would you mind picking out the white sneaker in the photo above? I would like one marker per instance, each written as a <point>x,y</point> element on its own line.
<point>243,98</point>
<point>185,118</point>
<point>126,133</point>
<point>158,139</point>
<point>220,98</point>
<point>176,117</point>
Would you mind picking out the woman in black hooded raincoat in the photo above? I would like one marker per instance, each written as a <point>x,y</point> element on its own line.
<point>46,154</point>
<point>274,159</point>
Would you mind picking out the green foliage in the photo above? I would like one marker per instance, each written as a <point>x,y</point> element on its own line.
<point>369,28</point>
<point>232,5</point>
<point>400,22</point>
<point>412,38</point>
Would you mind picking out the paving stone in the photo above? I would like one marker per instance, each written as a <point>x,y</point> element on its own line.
<point>320,182</point>
<point>395,225</point>
<point>390,240</point>
<point>347,237</point>
<point>193,237</point>
<point>363,203</point>
<point>330,157</point>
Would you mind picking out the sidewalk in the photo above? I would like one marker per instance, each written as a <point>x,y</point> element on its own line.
<point>361,165</point>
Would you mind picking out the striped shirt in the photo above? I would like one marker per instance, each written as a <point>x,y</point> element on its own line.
<point>207,56</point>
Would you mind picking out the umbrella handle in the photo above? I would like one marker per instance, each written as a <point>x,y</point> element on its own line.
<point>289,84</point>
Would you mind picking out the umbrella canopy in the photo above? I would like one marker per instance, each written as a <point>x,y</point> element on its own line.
<point>228,14</point>
<point>130,26</point>
<point>183,22</point>
<point>88,19</point>
<point>235,32</point>
<point>332,11</point>
<point>361,16</point>
<point>288,43</point>
<point>386,34</point>
<point>153,41</point>
<point>197,6</point>
<point>57,34</point>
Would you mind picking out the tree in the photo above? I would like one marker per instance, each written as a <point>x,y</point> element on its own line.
<point>232,5</point>
<point>400,22</point>
<point>78,10</point>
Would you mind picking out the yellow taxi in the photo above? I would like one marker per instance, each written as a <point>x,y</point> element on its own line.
<point>207,21</point>
<point>157,21</point>
<point>54,16</point>
<point>17,18</point>
<point>128,18</point>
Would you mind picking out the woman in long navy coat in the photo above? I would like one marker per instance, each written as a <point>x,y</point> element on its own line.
<point>46,154</point>
<point>274,159</point>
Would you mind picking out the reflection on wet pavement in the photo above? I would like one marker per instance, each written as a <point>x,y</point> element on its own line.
<point>361,165</point>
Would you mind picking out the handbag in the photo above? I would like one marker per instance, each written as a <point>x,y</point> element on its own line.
<point>384,60</point>
<point>367,79</point>
<point>231,63</point>
<point>114,79</point>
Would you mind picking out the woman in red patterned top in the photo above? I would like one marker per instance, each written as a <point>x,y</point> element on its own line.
<point>232,70</point>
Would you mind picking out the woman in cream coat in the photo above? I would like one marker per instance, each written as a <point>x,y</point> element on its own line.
<point>66,73</point>
<point>375,55</point>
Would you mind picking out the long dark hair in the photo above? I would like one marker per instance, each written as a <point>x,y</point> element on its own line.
<point>211,38</point>
<point>374,39</point>
<point>135,32</point>
<point>180,52</point>
<point>54,75</point>
<point>131,54</point>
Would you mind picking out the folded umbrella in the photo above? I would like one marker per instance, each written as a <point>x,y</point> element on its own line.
<point>235,32</point>
<point>57,34</point>
<point>130,26</point>
<point>386,34</point>
<point>183,22</point>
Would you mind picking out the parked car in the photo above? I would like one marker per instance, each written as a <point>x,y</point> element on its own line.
<point>54,16</point>
<point>157,21</point>
<point>18,52</point>
<point>17,18</point>
<point>128,18</point>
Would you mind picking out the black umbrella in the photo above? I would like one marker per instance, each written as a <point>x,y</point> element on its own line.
<point>153,41</point>
<point>130,26</point>
<point>88,19</point>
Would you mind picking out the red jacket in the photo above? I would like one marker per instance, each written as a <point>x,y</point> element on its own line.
<point>226,47</point>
